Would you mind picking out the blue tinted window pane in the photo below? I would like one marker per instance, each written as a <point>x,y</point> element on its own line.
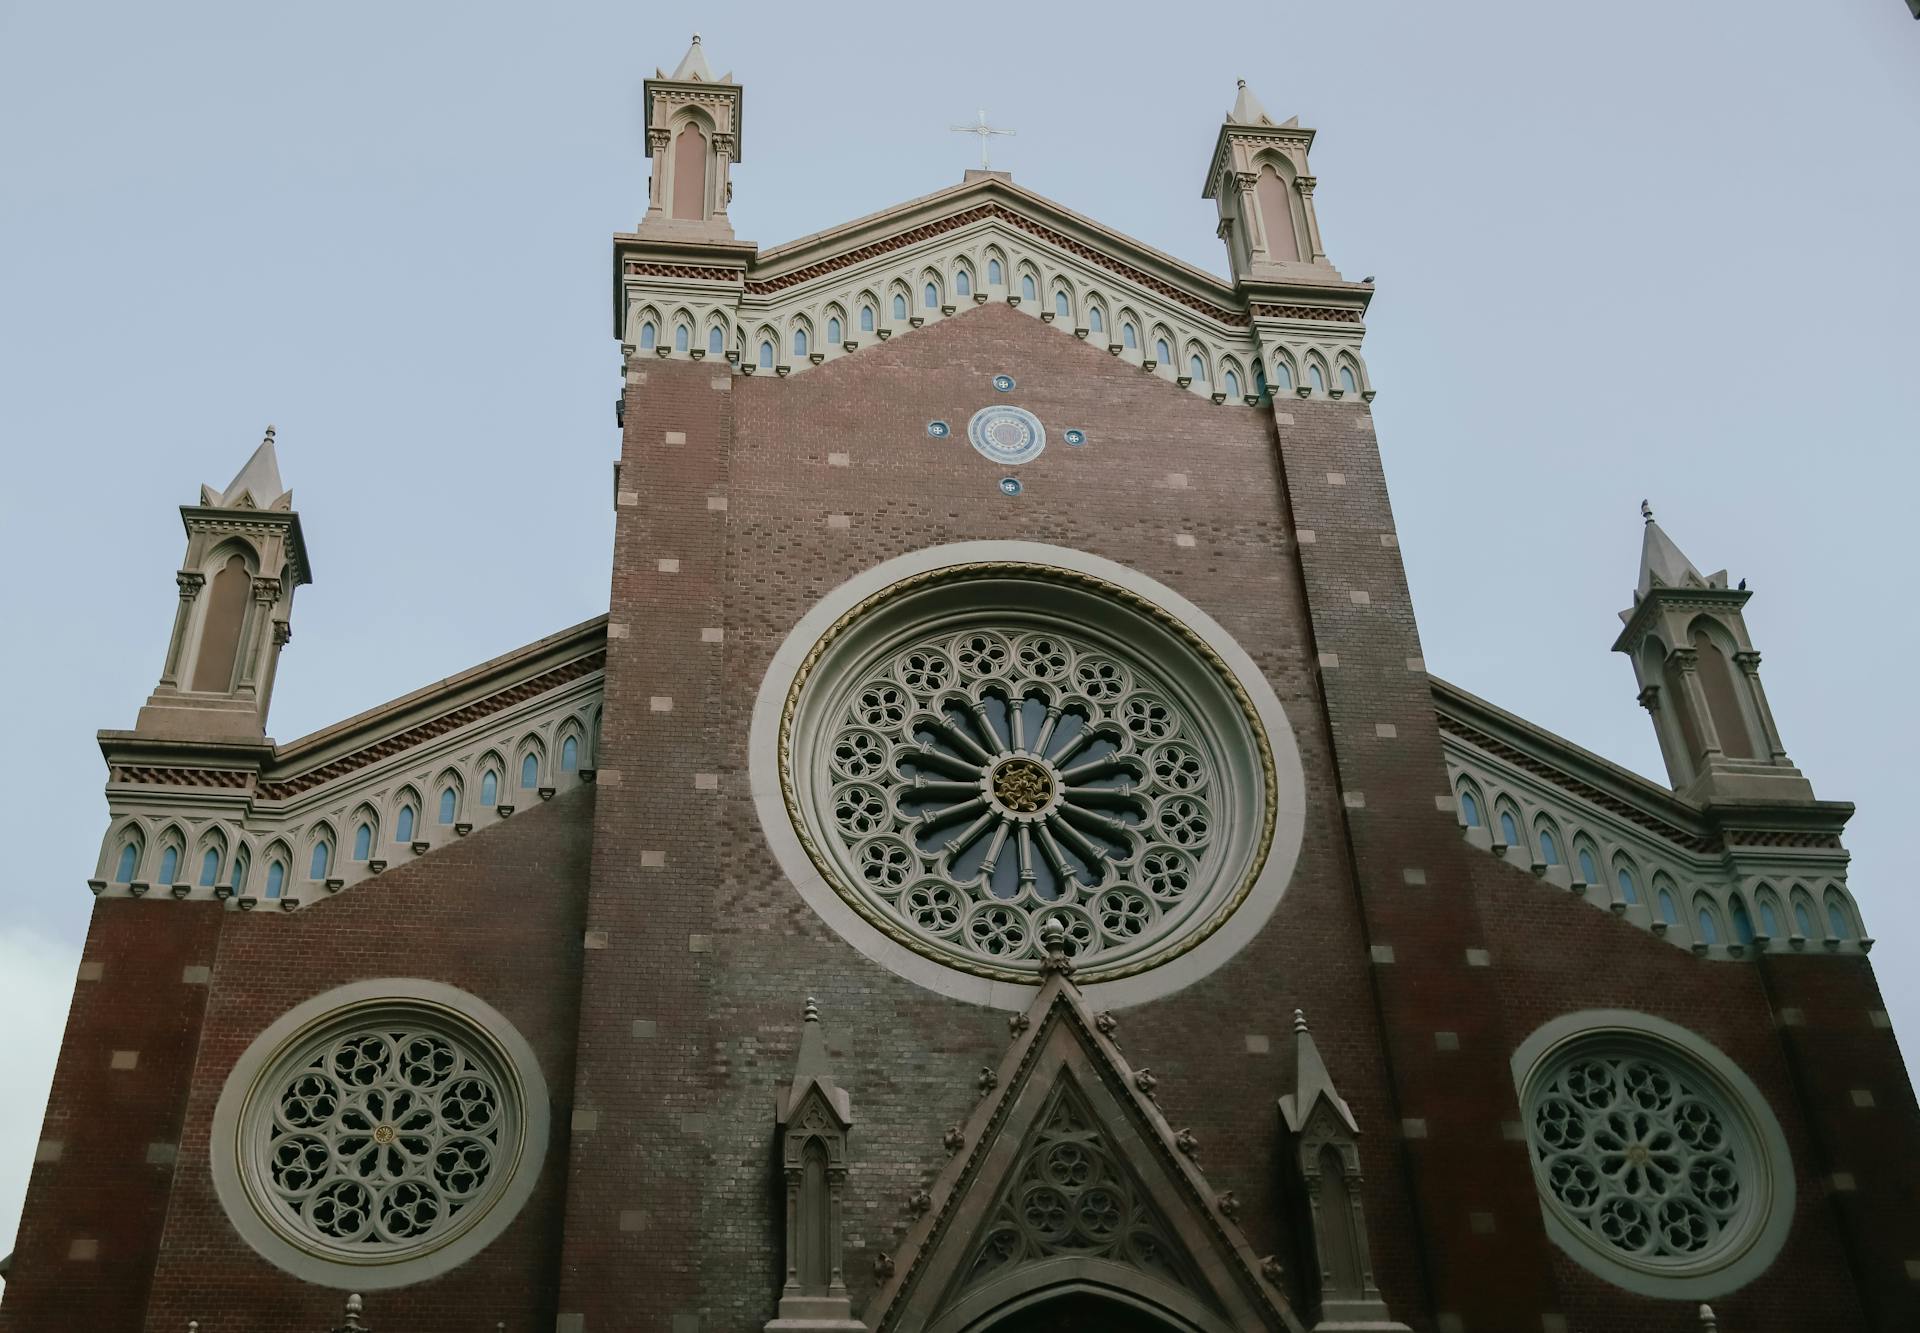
<point>363,842</point>
<point>1231,384</point>
<point>169,862</point>
<point>1319,380</point>
<point>321,854</point>
<point>449,803</point>
<point>962,284</point>
<point>680,338</point>
<point>490,788</point>
<point>716,341</point>
<point>866,319</point>
<point>1196,368</point>
<point>530,771</point>
<point>403,825</point>
<point>1768,921</point>
<point>569,755</point>
<point>766,355</point>
<point>930,296</point>
<point>993,271</point>
<point>1096,322</point>
<point>1802,919</point>
<point>647,336</point>
<point>123,873</point>
<point>1060,305</point>
<point>1161,352</point>
<point>1709,933</point>
<point>1549,849</point>
<point>1509,831</point>
<point>276,879</point>
<point>240,868</point>
<point>833,331</point>
<point>1283,376</point>
<point>1346,380</point>
<point>1588,874</point>
<point>1129,337</point>
<point>1027,290</point>
<point>799,342</point>
<point>1469,809</point>
<point>1260,380</point>
<point>1742,923</point>
<point>1628,890</point>
<point>899,306</point>
<point>1836,920</point>
<point>210,868</point>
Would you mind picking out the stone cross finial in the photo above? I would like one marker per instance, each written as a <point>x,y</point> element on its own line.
<point>1646,511</point>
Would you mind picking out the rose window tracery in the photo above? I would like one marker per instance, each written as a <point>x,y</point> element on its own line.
<point>977,771</point>
<point>1643,1154</point>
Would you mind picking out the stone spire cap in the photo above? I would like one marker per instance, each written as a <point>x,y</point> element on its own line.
<point>693,67</point>
<point>812,1070</point>
<point>1311,1083</point>
<point>255,486</point>
<point>1247,109</point>
<point>1662,564</point>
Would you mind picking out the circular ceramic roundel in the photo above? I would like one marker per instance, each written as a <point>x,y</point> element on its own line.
<point>382,1135</point>
<point>982,752</point>
<point>1007,434</point>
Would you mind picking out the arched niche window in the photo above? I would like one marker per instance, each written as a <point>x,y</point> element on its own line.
<point>569,754</point>
<point>899,305</point>
<point>1061,306</point>
<point>1708,921</point>
<point>1230,382</point>
<point>1549,846</point>
<point>1273,194</point>
<point>530,771</point>
<point>1837,927</point>
<point>1769,914</point>
<point>242,865</point>
<point>128,863</point>
<point>1802,916</point>
<point>799,342</point>
<point>682,336</point>
<point>1509,828</point>
<point>403,824</point>
<point>1723,704</point>
<point>1469,808</point>
<point>449,805</point>
<point>930,296</point>
<point>649,336</point>
<point>1283,376</point>
<point>322,860</point>
<point>1629,886</point>
<point>1589,869</point>
<point>1028,291</point>
<point>995,275</point>
<point>1129,336</point>
<point>1197,369</point>
<point>1161,352</point>
<point>766,354</point>
<point>1742,922</point>
<point>490,788</point>
<point>1259,380</point>
<point>690,174</point>
<point>169,863</point>
<point>716,341</point>
<point>276,877</point>
<point>833,329</point>
<point>225,617</point>
<point>962,283</point>
<point>866,319</point>
<point>363,841</point>
<point>210,868</point>
<point>1347,384</point>
<point>1096,320</point>
<point>1319,380</point>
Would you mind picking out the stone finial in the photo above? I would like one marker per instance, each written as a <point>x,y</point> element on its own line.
<point>1708,1324</point>
<point>1646,511</point>
<point>353,1324</point>
<point>811,1013</point>
<point>1053,943</point>
<point>1299,1020</point>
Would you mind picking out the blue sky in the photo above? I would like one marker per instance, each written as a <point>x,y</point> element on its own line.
<point>1635,250</point>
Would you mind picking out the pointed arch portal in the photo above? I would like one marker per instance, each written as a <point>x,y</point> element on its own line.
<point>1082,1312</point>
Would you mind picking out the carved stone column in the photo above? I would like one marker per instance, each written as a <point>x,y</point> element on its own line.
<point>1687,662</point>
<point>1749,663</point>
<point>253,650</point>
<point>190,584</point>
<point>1305,185</point>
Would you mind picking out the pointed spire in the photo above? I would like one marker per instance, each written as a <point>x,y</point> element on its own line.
<point>812,1069</point>
<point>256,486</point>
<point>1247,109</point>
<point>693,65</point>
<point>1311,1082</point>
<point>1662,564</point>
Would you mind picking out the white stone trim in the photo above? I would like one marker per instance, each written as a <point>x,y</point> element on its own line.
<point>785,843</point>
<point>226,1139</point>
<point>1774,1168</point>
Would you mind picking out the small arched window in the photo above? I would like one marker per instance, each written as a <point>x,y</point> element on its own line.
<point>1231,383</point>
<point>1837,919</point>
<point>1469,810</point>
<point>648,336</point>
<point>930,296</point>
<point>1197,369</point>
<point>766,355</point>
<point>1346,380</point>
<point>899,306</point>
<point>403,824</point>
<point>681,335</point>
<point>1709,929</point>
<point>1802,918</point>
<point>1629,891</point>
<point>1769,920</point>
<point>210,868</point>
<point>276,878</point>
<point>1283,376</point>
<point>1668,912</point>
<point>1742,923</point>
<point>962,283</point>
<point>866,319</point>
<point>1061,306</point>
<point>994,273</point>
<point>1319,380</point>
<point>240,868</point>
<point>449,805</point>
<point>1509,828</point>
<point>833,329</point>
<point>1259,380</point>
<point>799,342</point>
<point>1027,290</point>
<point>1589,872</point>
<point>569,754</point>
<point>490,788</point>
<point>1161,352</point>
<point>363,841</point>
<point>322,858</point>
<point>716,341</point>
<point>169,863</point>
<point>1096,321</point>
<point>1549,847</point>
<point>530,771</point>
<point>128,863</point>
<point>1128,336</point>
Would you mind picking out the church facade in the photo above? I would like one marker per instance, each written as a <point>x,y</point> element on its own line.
<point>1000,863</point>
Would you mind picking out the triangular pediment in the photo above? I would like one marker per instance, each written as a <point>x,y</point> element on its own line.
<point>1068,1178</point>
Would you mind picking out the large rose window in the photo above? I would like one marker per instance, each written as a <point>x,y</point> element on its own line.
<point>999,749</point>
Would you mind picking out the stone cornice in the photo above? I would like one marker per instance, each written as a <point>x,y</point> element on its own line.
<point>281,522</point>
<point>1659,599</point>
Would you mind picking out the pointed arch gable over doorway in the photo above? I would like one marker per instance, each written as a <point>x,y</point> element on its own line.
<point>1124,1221</point>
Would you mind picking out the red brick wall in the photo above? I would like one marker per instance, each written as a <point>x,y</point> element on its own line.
<point>114,1128</point>
<point>497,915</point>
